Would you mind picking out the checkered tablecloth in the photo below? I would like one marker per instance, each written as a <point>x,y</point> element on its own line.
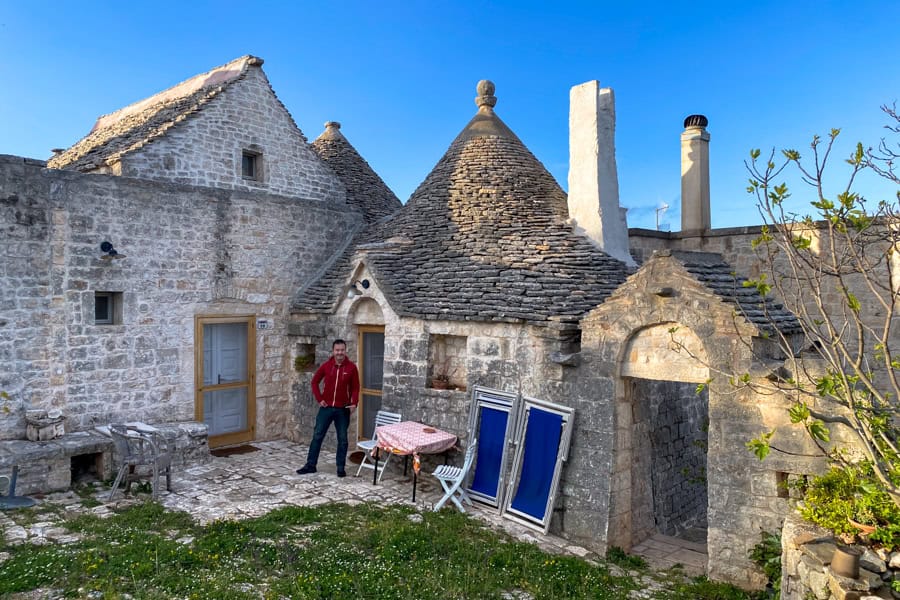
<point>411,437</point>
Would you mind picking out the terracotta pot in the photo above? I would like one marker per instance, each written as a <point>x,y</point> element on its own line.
<point>845,561</point>
<point>440,384</point>
<point>864,530</point>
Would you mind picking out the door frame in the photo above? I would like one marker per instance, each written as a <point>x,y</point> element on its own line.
<point>236,437</point>
<point>362,329</point>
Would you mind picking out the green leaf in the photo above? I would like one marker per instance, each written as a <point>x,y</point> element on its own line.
<point>852,302</point>
<point>801,243</point>
<point>760,446</point>
<point>799,412</point>
<point>819,431</point>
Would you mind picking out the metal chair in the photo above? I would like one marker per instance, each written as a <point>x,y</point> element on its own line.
<point>452,478</point>
<point>382,417</point>
<point>135,448</point>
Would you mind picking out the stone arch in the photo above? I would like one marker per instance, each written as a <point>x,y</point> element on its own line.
<point>660,429</point>
<point>366,311</point>
<point>667,352</point>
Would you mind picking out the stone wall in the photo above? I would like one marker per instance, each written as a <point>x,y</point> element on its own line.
<point>206,149</point>
<point>806,572</point>
<point>189,251</point>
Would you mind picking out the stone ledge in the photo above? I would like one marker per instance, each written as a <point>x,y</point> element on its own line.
<point>47,466</point>
<point>18,452</point>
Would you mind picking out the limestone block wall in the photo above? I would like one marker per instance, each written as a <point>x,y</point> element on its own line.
<point>206,149</point>
<point>189,251</point>
<point>806,572</point>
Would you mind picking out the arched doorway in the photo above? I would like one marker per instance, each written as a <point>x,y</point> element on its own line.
<point>368,320</point>
<point>662,424</point>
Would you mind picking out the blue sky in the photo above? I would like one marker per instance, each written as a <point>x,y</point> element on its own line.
<point>400,76</point>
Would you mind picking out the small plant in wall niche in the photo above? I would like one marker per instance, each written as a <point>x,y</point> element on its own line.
<point>442,374</point>
<point>306,358</point>
<point>304,362</point>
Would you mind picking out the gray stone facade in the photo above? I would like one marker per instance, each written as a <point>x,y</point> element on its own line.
<point>189,251</point>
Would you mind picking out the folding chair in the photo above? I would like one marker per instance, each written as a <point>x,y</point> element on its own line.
<point>452,478</point>
<point>137,448</point>
<point>382,417</point>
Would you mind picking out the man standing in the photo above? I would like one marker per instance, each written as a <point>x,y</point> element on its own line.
<point>336,404</point>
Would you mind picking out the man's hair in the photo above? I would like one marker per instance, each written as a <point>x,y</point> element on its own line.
<point>336,342</point>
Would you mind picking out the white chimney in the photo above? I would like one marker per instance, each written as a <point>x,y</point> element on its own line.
<point>695,174</point>
<point>593,180</point>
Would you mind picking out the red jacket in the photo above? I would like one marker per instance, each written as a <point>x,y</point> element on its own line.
<point>341,384</point>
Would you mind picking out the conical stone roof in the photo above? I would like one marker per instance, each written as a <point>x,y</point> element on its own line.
<point>365,189</point>
<point>484,238</point>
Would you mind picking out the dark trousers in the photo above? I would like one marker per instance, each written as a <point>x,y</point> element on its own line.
<point>341,419</point>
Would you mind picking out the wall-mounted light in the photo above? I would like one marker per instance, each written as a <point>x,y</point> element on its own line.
<point>109,252</point>
<point>355,291</point>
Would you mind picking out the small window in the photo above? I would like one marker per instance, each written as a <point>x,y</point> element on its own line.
<point>251,165</point>
<point>108,308</point>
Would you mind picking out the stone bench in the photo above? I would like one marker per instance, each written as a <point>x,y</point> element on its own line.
<point>88,455</point>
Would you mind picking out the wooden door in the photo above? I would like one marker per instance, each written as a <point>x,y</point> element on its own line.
<point>225,396</point>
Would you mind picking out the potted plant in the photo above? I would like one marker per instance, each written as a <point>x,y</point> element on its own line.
<point>440,380</point>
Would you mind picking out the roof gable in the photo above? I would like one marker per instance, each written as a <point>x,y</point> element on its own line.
<point>129,128</point>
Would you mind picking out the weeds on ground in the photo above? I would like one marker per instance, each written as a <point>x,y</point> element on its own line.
<point>330,551</point>
<point>617,556</point>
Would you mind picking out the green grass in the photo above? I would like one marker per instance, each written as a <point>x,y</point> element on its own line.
<point>331,551</point>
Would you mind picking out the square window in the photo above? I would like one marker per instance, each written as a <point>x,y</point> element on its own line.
<point>107,308</point>
<point>251,165</point>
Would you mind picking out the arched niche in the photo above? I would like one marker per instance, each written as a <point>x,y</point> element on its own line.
<point>366,311</point>
<point>665,352</point>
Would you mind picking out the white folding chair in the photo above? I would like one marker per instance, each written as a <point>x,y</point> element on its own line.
<point>382,417</point>
<point>452,478</point>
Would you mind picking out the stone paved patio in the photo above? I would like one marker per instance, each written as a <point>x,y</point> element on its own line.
<point>252,484</point>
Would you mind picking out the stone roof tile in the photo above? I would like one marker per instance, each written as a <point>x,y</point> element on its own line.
<point>712,271</point>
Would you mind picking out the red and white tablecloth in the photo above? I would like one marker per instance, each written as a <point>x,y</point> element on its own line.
<point>411,437</point>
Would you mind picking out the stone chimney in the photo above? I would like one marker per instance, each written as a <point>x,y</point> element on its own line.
<point>593,179</point>
<point>695,174</point>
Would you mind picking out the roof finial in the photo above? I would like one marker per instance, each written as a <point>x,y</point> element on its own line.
<point>332,125</point>
<point>486,98</point>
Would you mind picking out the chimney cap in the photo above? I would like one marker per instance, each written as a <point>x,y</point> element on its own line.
<point>696,121</point>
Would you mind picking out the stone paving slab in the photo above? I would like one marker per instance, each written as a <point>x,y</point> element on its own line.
<point>251,484</point>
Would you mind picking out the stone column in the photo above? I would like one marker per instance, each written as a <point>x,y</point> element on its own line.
<point>695,174</point>
<point>593,179</point>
